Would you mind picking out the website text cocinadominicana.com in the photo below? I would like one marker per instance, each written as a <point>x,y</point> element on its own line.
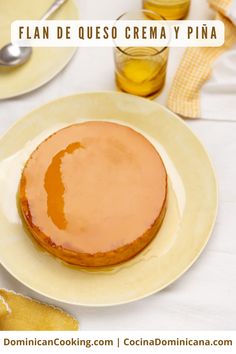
<point>118,342</point>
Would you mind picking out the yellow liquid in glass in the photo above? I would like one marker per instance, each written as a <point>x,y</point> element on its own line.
<point>169,9</point>
<point>142,76</point>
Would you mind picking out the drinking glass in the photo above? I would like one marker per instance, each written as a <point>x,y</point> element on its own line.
<point>170,9</point>
<point>140,70</point>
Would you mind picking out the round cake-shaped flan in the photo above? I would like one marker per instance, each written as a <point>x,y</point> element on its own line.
<point>94,193</point>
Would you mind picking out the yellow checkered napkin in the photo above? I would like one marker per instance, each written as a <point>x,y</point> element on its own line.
<point>196,66</point>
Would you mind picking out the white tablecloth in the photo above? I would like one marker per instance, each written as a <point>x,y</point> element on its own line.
<point>204,297</point>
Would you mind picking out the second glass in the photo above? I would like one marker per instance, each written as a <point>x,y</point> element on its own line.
<point>140,70</point>
<point>170,9</point>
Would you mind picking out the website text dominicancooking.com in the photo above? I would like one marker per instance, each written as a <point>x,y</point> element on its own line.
<point>116,343</point>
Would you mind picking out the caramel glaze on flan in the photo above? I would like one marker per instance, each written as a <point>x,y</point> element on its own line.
<point>94,193</point>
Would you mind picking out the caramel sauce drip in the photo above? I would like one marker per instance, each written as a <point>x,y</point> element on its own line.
<point>55,188</point>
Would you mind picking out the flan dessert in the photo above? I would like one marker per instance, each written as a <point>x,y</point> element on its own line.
<point>4,308</point>
<point>94,193</point>
<point>25,314</point>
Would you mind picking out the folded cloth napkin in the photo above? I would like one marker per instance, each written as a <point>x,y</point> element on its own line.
<point>205,82</point>
<point>20,313</point>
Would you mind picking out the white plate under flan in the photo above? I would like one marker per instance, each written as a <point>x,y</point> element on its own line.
<point>192,203</point>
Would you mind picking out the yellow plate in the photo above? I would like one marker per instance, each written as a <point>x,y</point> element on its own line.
<point>192,203</point>
<point>45,63</point>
